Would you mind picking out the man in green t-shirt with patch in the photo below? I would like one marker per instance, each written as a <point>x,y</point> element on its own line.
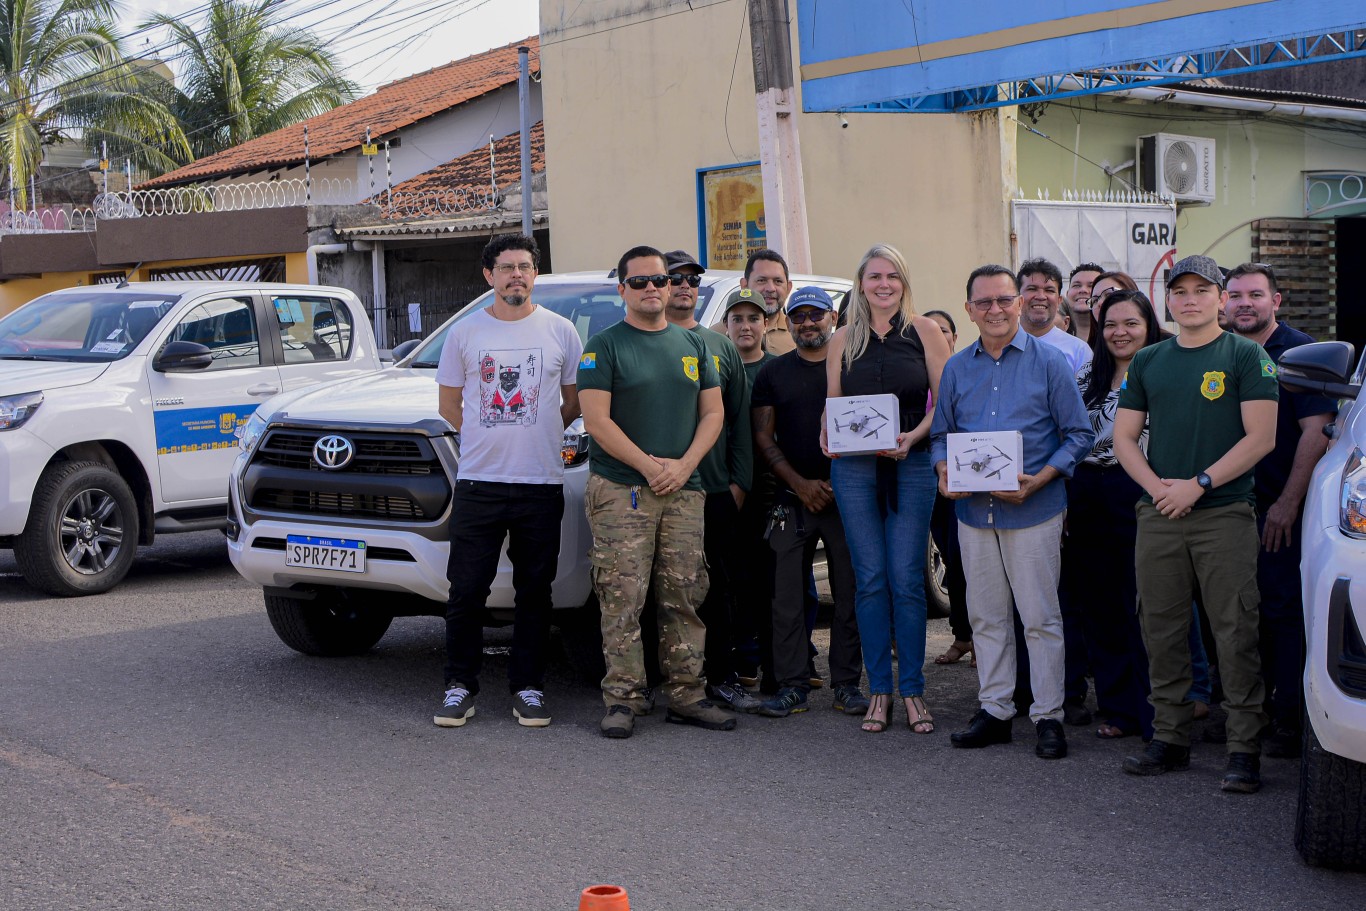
<point>652,408</point>
<point>1208,398</point>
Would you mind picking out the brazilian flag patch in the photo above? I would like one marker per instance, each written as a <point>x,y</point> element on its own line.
<point>1268,367</point>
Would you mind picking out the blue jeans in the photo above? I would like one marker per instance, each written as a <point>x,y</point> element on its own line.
<point>888,553</point>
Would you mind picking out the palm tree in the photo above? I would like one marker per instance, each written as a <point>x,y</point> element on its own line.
<point>63,76</point>
<point>245,73</point>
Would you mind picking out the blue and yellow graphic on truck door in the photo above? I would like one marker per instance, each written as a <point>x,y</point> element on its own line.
<point>200,429</point>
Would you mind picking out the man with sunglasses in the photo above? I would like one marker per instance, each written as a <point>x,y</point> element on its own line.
<point>1280,482</point>
<point>725,472</point>
<point>789,399</point>
<point>1010,539</point>
<point>652,407</point>
<point>502,374</point>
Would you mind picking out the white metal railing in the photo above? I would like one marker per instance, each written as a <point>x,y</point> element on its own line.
<point>236,197</point>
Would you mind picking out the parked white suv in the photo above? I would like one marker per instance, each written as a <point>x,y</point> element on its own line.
<point>1330,827</point>
<point>340,500</point>
<point>119,408</point>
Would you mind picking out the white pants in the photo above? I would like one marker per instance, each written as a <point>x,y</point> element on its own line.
<point>1018,565</point>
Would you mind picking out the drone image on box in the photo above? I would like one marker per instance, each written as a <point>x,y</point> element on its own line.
<point>866,418</point>
<point>979,459</point>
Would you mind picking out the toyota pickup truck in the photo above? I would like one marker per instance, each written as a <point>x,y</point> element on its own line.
<point>120,408</point>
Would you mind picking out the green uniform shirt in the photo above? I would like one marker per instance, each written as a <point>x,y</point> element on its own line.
<point>752,370</point>
<point>1193,397</point>
<point>731,460</point>
<point>655,379</point>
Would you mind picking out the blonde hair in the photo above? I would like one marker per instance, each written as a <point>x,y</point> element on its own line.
<point>859,325</point>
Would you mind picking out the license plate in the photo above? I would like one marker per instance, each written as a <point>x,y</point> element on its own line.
<point>339,554</point>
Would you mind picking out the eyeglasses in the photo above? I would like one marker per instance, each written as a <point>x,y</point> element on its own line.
<point>798,317</point>
<point>678,278</point>
<point>984,304</point>
<point>638,282</point>
<point>1097,298</point>
<point>510,268</point>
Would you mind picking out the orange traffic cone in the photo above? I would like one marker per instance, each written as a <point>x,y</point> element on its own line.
<point>604,898</point>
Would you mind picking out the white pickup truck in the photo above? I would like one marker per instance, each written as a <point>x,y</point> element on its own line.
<point>120,407</point>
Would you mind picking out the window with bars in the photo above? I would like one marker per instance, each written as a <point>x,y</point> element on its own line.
<point>107,278</point>
<point>269,269</point>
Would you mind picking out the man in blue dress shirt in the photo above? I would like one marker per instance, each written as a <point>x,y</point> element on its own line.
<point>1009,380</point>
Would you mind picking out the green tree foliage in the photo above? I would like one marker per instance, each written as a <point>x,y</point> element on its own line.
<point>63,75</point>
<point>245,72</point>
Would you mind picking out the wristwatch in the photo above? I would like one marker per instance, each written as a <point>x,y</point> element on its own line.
<point>1204,481</point>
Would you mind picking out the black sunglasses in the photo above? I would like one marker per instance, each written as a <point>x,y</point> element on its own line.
<point>638,282</point>
<point>678,278</point>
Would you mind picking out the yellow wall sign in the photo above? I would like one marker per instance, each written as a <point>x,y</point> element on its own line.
<point>369,148</point>
<point>732,211</point>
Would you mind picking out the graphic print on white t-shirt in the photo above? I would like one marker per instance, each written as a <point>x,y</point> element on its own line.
<point>509,386</point>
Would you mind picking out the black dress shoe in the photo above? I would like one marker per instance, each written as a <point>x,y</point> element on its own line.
<point>1052,742</point>
<point>1243,774</point>
<point>1076,714</point>
<point>1159,757</point>
<point>983,730</point>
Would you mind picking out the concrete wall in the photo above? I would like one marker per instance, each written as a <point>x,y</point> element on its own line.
<point>639,94</point>
<point>1259,161</point>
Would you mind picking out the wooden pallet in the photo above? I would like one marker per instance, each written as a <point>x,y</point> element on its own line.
<point>1303,254</point>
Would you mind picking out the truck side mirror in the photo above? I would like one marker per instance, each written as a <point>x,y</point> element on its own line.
<point>1323,368</point>
<point>403,349</point>
<point>182,356</point>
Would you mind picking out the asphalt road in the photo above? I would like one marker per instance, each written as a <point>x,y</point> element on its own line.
<point>159,748</point>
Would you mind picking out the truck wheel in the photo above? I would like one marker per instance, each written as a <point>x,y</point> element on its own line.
<point>936,589</point>
<point>581,636</point>
<point>82,532</point>
<point>329,625</point>
<point>1330,824</point>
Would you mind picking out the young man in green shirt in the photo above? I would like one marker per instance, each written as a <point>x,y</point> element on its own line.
<point>652,407</point>
<point>1209,400</point>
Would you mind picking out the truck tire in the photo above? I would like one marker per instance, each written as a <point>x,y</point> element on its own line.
<point>936,589</point>
<point>328,625</point>
<point>82,532</point>
<point>581,637</point>
<point>1330,823</point>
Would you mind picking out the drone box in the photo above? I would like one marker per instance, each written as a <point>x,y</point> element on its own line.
<point>862,424</point>
<point>986,460</point>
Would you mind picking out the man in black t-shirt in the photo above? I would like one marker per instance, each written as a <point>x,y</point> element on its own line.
<point>788,401</point>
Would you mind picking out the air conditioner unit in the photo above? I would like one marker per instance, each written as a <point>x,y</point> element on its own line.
<point>1181,167</point>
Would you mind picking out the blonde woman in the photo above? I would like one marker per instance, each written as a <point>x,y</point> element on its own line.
<point>885,499</point>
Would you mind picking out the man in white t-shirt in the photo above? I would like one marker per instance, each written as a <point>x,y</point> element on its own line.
<point>508,386</point>
<point>1041,294</point>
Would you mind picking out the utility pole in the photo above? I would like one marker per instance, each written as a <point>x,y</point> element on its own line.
<point>780,151</point>
<point>524,105</point>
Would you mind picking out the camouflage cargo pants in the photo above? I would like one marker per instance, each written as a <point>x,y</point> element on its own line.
<point>659,537</point>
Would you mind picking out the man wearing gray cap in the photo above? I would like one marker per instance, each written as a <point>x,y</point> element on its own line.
<point>1208,398</point>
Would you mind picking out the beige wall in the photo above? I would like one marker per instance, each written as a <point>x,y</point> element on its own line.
<point>635,95</point>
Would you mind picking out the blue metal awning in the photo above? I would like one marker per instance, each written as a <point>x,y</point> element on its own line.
<point>939,56</point>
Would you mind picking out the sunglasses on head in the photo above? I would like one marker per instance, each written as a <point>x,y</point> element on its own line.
<point>678,278</point>
<point>638,282</point>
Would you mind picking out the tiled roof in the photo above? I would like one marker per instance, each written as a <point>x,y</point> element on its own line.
<point>471,170</point>
<point>390,108</point>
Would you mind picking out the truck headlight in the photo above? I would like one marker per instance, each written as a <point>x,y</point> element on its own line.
<point>1352,505</point>
<point>251,431</point>
<point>575,449</point>
<point>16,409</point>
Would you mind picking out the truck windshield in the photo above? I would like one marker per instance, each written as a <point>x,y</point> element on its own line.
<point>590,306</point>
<point>95,327</point>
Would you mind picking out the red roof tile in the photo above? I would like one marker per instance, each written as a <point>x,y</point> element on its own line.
<point>391,107</point>
<point>443,189</point>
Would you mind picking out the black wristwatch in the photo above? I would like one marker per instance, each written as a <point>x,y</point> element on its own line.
<point>1204,481</point>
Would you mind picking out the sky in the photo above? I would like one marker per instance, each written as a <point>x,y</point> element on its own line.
<point>378,40</point>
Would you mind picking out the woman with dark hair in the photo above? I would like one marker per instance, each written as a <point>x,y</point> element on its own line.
<point>1105,284</point>
<point>1098,550</point>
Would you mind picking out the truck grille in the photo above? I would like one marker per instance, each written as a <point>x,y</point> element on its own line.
<point>395,477</point>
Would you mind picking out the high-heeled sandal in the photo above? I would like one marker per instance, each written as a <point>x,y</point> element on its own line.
<point>918,717</point>
<point>879,704</point>
<point>960,649</point>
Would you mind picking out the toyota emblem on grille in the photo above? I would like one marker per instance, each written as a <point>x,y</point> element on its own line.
<point>333,452</point>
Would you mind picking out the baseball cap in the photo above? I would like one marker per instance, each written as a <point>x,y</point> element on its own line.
<point>677,258</point>
<point>742,296</point>
<point>1202,266</point>
<point>810,296</point>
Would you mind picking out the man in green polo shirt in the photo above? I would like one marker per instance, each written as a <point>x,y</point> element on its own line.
<point>652,408</point>
<point>1209,400</point>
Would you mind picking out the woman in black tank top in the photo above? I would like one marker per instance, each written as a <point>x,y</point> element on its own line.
<point>885,499</point>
